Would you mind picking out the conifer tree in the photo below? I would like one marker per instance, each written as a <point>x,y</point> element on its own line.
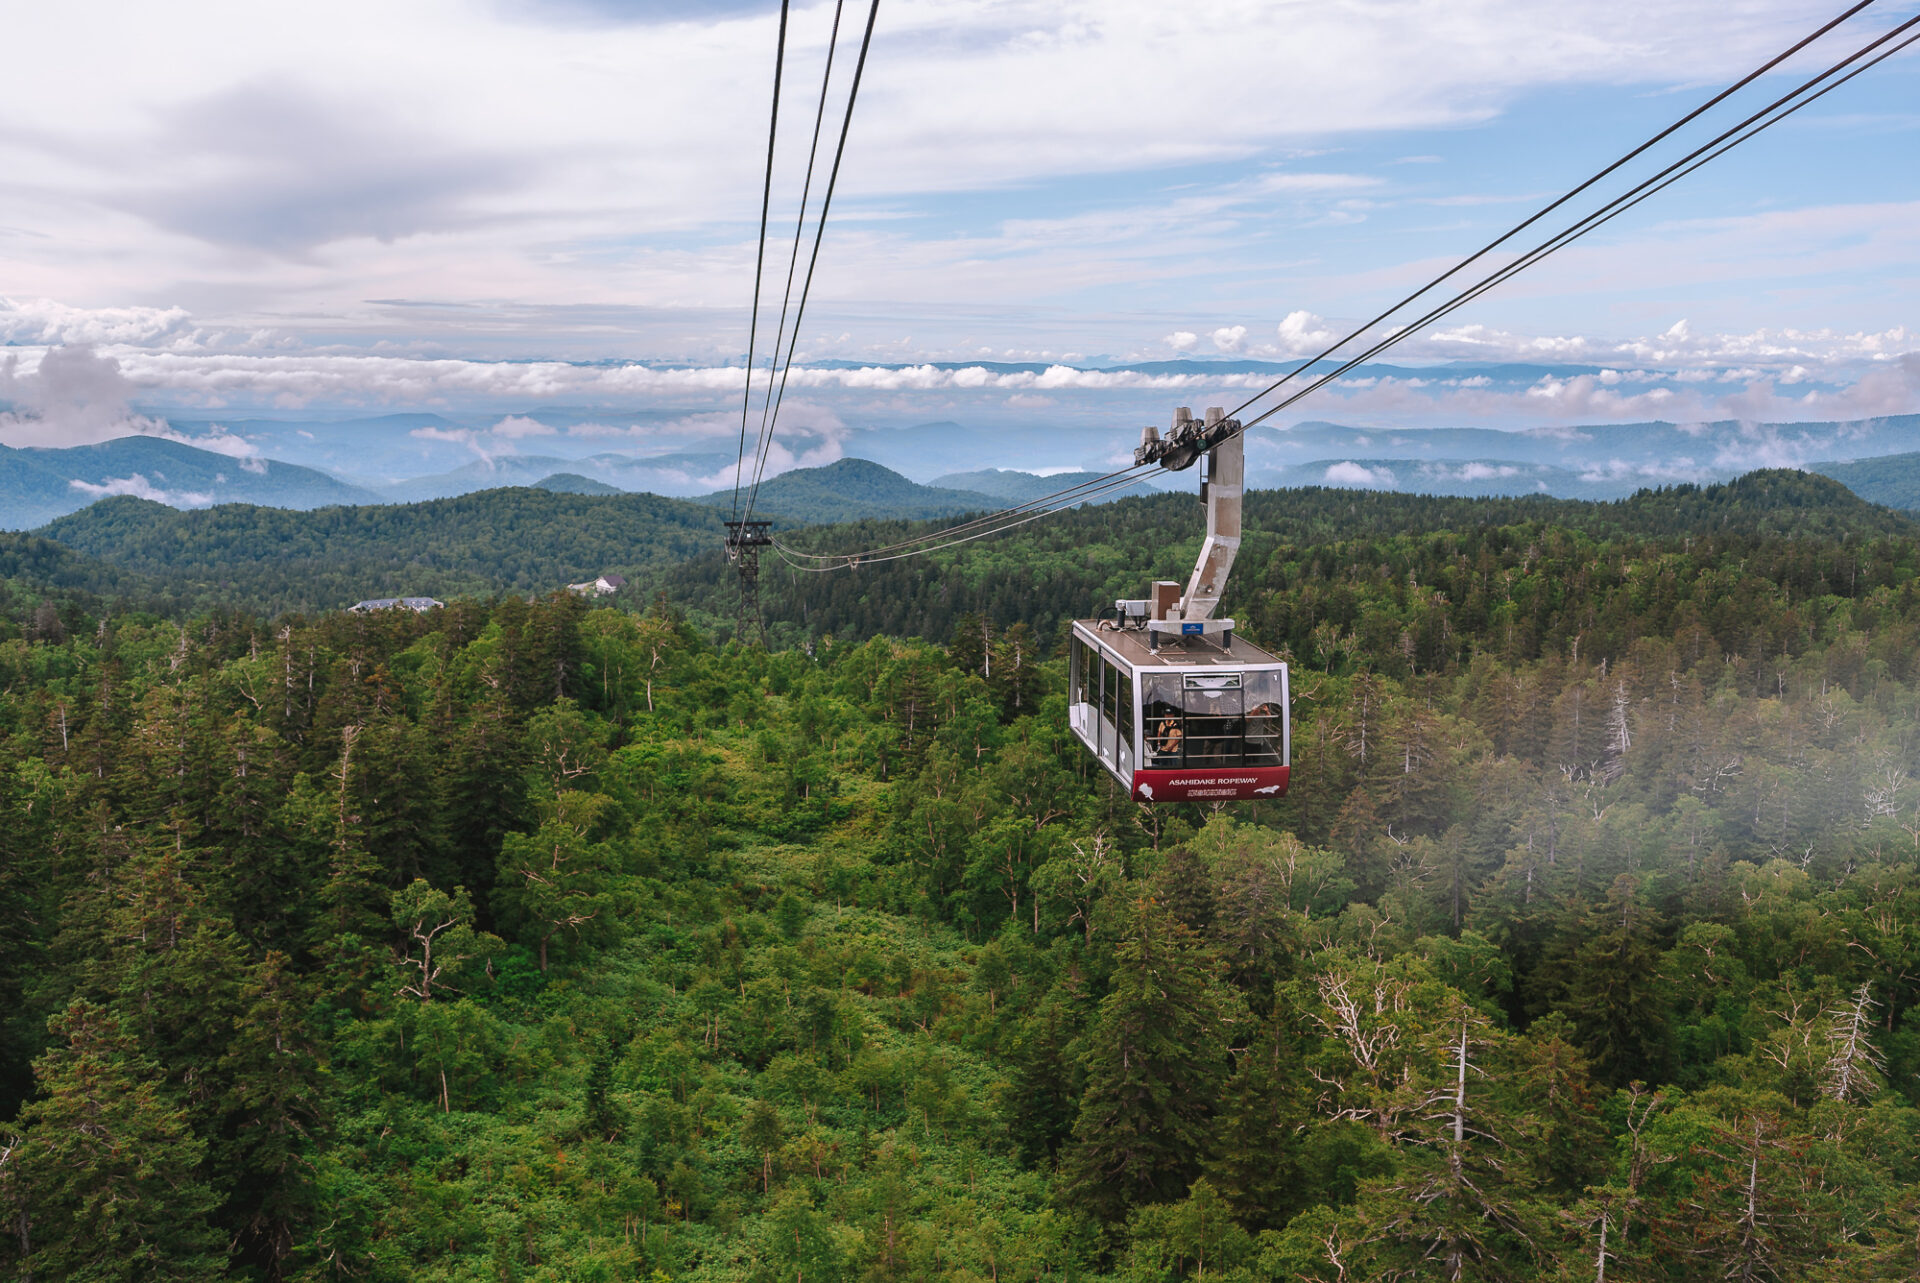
<point>273,1110</point>
<point>171,973</point>
<point>351,915</point>
<point>1609,987</point>
<point>558,883</point>
<point>1046,1087</point>
<point>1184,885</point>
<point>972,645</point>
<point>105,1169</point>
<point>1016,670</point>
<point>481,790</point>
<point>263,876</point>
<point>1154,1062</point>
<point>1254,1163</point>
<point>1761,1206</point>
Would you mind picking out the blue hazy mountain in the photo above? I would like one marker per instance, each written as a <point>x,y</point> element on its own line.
<point>851,489</point>
<point>1892,479</point>
<point>1466,478</point>
<point>416,457</point>
<point>38,484</point>
<point>574,483</point>
<point>1596,461</point>
<point>1011,486</point>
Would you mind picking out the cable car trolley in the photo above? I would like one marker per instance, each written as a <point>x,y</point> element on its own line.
<point>1168,700</point>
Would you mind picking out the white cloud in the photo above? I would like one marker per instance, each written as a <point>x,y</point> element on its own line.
<point>216,439</point>
<point>463,437</point>
<point>1676,344</point>
<point>1853,375</point>
<point>1474,471</point>
<point>519,427</point>
<point>781,457</point>
<point>1348,473</point>
<point>484,150</point>
<point>1182,340</point>
<point>140,488</point>
<point>1652,472</point>
<point>1299,182</point>
<point>75,396</point>
<point>41,320</point>
<point>1304,334</point>
<point>70,396</point>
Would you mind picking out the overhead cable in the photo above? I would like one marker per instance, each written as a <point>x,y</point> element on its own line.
<point>1557,202</point>
<point>760,257</point>
<point>1754,124</point>
<point>1069,497</point>
<point>763,438</point>
<point>853,561</point>
<point>813,260</point>
<point>1772,114</point>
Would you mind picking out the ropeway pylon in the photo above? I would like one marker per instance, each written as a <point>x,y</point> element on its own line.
<point>745,539</point>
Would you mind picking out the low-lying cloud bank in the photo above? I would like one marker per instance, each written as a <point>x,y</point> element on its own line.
<point>140,487</point>
<point>77,376</point>
<point>69,394</point>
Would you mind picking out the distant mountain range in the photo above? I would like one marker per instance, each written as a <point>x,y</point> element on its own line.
<point>574,483</point>
<point>1893,479</point>
<point>37,485</point>
<point>852,489</point>
<point>1010,486</point>
<point>529,540</point>
<point>676,475</point>
<point>1595,462</point>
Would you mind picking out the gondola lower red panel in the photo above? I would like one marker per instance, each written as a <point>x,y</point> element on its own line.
<point>1228,784</point>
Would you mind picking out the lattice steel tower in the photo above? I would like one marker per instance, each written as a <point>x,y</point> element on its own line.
<point>745,539</point>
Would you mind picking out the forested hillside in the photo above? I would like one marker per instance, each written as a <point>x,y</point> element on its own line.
<point>851,489</point>
<point>531,540</point>
<point>533,941</point>
<point>1077,561</point>
<point>521,539</point>
<point>1892,479</point>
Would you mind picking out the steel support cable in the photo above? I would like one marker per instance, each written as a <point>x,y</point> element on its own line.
<point>1772,114</point>
<point>854,561</point>
<point>1070,497</point>
<point>813,260</point>
<point>1067,497</point>
<point>1752,125</point>
<point>1542,212</point>
<point>760,258</point>
<point>763,438</point>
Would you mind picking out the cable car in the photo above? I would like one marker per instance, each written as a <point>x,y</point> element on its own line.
<point>1167,699</point>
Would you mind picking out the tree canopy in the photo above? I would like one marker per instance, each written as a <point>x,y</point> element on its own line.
<point>540,939</point>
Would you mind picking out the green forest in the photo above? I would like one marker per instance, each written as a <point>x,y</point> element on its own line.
<point>534,939</point>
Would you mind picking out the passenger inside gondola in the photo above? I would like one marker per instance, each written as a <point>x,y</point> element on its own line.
<point>1213,724</point>
<point>1263,735</point>
<point>1164,720</point>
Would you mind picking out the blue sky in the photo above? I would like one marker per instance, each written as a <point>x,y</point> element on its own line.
<point>412,207</point>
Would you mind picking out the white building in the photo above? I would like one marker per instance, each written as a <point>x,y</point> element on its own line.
<point>418,605</point>
<point>602,586</point>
